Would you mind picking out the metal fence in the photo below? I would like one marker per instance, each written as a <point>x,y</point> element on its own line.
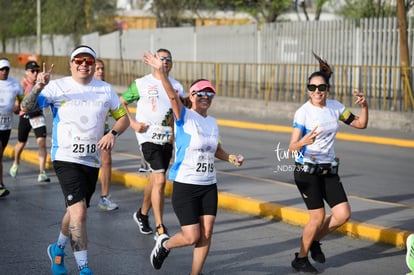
<point>269,82</point>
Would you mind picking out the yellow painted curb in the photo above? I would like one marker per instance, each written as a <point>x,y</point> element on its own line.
<point>342,136</point>
<point>299,217</point>
<point>28,156</point>
<point>274,211</point>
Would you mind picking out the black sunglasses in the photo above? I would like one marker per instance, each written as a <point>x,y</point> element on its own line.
<point>320,87</point>
<point>5,69</point>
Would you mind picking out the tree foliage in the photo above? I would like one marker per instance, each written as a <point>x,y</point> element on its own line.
<point>357,9</point>
<point>19,17</point>
<point>304,4</point>
<point>265,10</point>
<point>319,5</point>
<point>169,12</point>
<point>76,16</point>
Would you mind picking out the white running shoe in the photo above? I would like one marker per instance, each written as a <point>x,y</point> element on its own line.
<point>106,203</point>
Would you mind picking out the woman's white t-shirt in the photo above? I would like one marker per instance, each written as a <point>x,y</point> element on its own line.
<point>196,140</point>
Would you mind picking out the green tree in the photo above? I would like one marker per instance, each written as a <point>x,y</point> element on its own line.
<point>319,5</point>
<point>75,16</point>
<point>303,4</point>
<point>264,11</point>
<point>18,17</point>
<point>357,9</point>
<point>169,13</point>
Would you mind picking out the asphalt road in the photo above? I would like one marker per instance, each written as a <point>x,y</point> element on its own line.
<point>30,220</point>
<point>242,244</point>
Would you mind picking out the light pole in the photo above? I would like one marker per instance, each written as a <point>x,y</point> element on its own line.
<point>39,28</point>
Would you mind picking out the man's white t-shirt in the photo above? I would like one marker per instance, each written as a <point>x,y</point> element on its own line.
<point>153,107</point>
<point>9,90</point>
<point>79,113</point>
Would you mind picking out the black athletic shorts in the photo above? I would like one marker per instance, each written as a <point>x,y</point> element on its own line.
<point>314,189</point>
<point>191,201</point>
<point>4,137</point>
<point>157,156</point>
<point>77,181</point>
<point>25,127</point>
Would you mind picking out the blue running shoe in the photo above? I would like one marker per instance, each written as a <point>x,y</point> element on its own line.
<point>85,271</point>
<point>56,255</point>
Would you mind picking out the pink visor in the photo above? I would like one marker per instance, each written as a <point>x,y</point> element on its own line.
<point>202,85</point>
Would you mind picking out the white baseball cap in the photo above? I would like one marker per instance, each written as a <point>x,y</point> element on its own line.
<point>4,63</point>
<point>82,49</point>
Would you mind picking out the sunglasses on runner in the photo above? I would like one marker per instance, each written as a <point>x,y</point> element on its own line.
<point>79,60</point>
<point>320,87</point>
<point>34,71</point>
<point>200,94</point>
<point>166,58</point>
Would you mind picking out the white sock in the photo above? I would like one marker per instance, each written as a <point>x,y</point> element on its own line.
<point>62,240</point>
<point>81,258</point>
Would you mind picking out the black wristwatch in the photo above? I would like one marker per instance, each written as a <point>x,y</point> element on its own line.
<point>115,133</point>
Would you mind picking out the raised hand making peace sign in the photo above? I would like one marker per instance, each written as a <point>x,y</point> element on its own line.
<point>44,76</point>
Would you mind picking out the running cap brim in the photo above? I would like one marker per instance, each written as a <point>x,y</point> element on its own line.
<point>80,50</point>
<point>4,63</point>
<point>202,85</point>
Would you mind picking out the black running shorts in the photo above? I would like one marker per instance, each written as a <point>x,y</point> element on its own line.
<point>191,201</point>
<point>25,127</point>
<point>4,137</point>
<point>157,156</point>
<point>314,189</point>
<point>77,181</point>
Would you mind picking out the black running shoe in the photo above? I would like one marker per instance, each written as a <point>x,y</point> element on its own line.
<point>161,229</point>
<point>142,222</point>
<point>316,252</point>
<point>303,265</point>
<point>159,252</point>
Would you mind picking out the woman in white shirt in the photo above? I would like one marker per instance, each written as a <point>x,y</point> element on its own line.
<point>194,196</point>
<point>316,175</point>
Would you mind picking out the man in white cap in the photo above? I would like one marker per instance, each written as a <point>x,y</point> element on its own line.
<point>80,104</point>
<point>9,102</point>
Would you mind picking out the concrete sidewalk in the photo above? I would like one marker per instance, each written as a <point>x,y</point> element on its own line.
<point>259,199</point>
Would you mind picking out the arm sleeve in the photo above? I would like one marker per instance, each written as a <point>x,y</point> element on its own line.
<point>131,94</point>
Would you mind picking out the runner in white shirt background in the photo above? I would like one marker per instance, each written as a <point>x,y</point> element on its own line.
<point>153,128</point>
<point>10,90</point>
<point>105,201</point>
<point>80,104</point>
<point>28,121</point>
